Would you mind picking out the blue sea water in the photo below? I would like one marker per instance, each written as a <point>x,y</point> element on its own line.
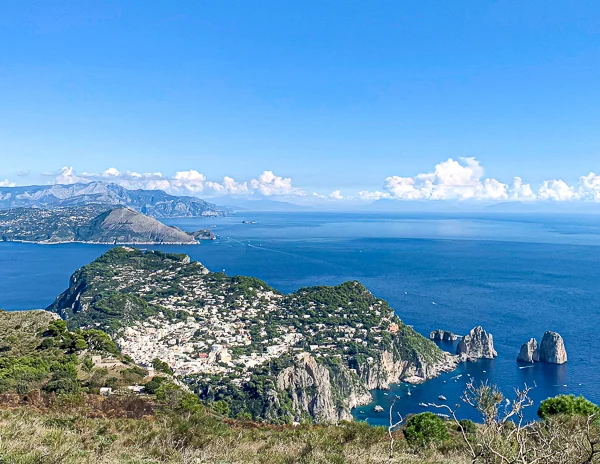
<point>517,276</point>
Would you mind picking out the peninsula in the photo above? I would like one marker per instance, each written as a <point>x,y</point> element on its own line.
<point>314,353</point>
<point>91,224</point>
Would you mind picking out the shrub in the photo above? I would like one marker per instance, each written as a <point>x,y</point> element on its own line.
<point>468,426</point>
<point>221,407</point>
<point>425,428</point>
<point>568,405</point>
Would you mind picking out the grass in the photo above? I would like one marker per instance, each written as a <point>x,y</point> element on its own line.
<point>29,437</point>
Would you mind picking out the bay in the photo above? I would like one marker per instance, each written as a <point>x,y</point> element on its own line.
<point>515,275</point>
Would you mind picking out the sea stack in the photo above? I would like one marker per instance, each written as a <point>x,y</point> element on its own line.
<point>477,344</point>
<point>529,352</point>
<point>443,335</point>
<point>552,349</point>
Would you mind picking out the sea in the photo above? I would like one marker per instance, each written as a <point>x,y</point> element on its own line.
<point>515,275</point>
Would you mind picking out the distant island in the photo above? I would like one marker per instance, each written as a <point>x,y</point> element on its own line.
<point>91,224</point>
<point>156,203</point>
<point>313,354</point>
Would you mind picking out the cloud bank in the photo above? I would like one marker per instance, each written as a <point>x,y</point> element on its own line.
<point>464,179</point>
<point>189,182</point>
<point>461,179</point>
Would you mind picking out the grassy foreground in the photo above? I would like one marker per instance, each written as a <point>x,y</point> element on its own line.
<point>29,437</point>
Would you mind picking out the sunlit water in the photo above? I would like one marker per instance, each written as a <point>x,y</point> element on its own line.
<point>515,276</point>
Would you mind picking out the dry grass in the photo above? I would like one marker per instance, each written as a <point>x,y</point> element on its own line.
<point>28,438</point>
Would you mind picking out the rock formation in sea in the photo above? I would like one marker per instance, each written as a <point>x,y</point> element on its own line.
<point>477,344</point>
<point>529,352</point>
<point>443,335</point>
<point>552,349</point>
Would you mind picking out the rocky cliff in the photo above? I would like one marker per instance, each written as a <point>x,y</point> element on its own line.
<point>477,344</point>
<point>529,352</point>
<point>443,335</point>
<point>552,349</point>
<point>326,393</point>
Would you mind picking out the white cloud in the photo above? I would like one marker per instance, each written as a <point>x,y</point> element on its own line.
<point>228,186</point>
<point>463,179</point>
<point>557,190</point>
<point>589,187</point>
<point>453,179</point>
<point>185,182</point>
<point>6,183</point>
<point>269,184</point>
<point>189,181</point>
<point>520,191</point>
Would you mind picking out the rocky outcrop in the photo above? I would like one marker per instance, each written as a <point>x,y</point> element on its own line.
<point>478,344</point>
<point>529,352</point>
<point>552,349</point>
<point>328,394</point>
<point>415,368</point>
<point>443,335</point>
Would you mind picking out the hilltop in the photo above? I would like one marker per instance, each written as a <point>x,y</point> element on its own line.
<point>156,203</point>
<point>314,353</point>
<point>91,224</point>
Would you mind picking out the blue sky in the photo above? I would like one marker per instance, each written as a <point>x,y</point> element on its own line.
<point>326,96</point>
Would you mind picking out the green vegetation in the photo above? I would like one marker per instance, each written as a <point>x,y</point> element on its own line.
<point>425,428</point>
<point>568,405</point>
<point>40,353</point>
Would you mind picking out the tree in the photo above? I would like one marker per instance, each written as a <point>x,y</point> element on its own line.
<point>568,405</point>
<point>425,428</point>
<point>221,407</point>
<point>161,366</point>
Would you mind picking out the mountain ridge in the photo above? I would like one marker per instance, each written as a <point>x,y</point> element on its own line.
<point>156,203</point>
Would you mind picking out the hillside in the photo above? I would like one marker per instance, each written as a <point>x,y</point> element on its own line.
<point>313,353</point>
<point>156,203</point>
<point>90,224</point>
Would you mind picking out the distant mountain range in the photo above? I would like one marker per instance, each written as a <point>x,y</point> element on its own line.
<point>244,204</point>
<point>156,203</point>
<point>466,206</point>
<point>91,224</point>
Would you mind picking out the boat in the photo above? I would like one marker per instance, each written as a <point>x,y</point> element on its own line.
<point>423,405</point>
<point>442,398</point>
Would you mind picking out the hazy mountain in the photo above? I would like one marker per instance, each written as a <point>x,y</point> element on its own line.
<point>245,204</point>
<point>91,224</point>
<point>155,203</point>
<point>424,206</point>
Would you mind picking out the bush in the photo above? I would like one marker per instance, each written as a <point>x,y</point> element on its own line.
<point>221,407</point>
<point>425,428</point>
<point>468,426</point>
<point>568,405</point>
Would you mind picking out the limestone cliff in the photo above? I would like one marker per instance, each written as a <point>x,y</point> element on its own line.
<point>443,335</point>
<point>477,344</point>
<point>326,393</point>
<point>552,349</point>
<point>529,352</point>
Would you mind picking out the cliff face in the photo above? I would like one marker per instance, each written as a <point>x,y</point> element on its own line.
<point>327,394</point>
<point>443,335</point>
<point>552,349</point>
<point>529,352</point>
<point>478,344</point>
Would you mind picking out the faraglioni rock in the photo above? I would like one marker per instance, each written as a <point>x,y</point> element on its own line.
<point>529,352</point>
<point>477,344</point>
<point>552,349</point>
<point>443,335</point>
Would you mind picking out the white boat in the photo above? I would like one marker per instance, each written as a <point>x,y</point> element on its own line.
<point>442,398</point>
<point>423,405</point>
